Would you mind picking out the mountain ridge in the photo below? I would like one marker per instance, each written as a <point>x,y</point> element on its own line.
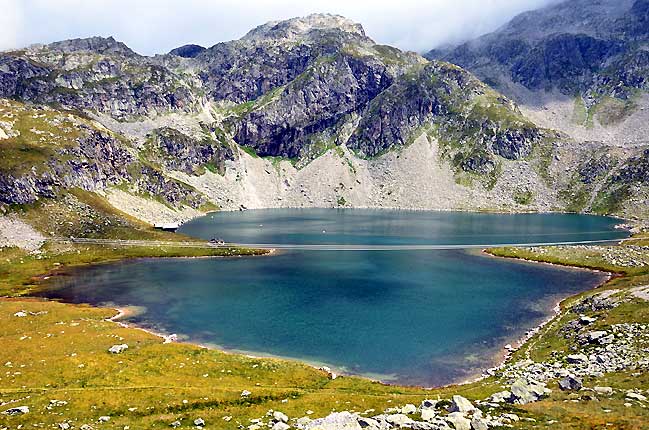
<point>303,112</point>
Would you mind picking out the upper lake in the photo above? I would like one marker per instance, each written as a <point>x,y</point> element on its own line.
<point>424,317</point>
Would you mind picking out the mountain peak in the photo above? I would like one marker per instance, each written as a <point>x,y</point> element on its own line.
<point>299,28</point>
<point>100,45</point>
<point>187,51</point>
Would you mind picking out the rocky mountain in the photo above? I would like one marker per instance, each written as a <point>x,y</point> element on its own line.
<point>303,112</point>
<point>594,48</point>
<point>578,66</point>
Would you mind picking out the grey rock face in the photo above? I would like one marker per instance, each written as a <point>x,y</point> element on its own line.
<point>99,45</point>
<point>447,98</point>
<point>178,151</point>
<point>575,46</point>
<point>636,170</point>
<point>95,74</point>
<point>293,89</point>
<point>317,100</point>
<point>96,161</point>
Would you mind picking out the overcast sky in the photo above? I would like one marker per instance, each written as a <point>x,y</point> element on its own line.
<point>156,26</point>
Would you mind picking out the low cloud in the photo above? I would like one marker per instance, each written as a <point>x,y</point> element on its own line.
<point>156,26</point>
<point>10,23</point>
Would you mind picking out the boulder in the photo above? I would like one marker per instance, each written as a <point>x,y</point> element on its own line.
<point>302,422</point>
<point>511,417</point>
<point>175,424</point>
<point>479,423</point>
<point>409,409</point>
<point>605,391</point>
<point>245,393</point>
<point>428,414</point>
<point>104,419</point>
<point>527,391</point>
<point>368,423</point>
<point>577,358</point>
<point>459,421</point>
<point>584,319</point>
<point>335,421</point>
<point>636,396</point>
<point>595,336</point>
<point>281,426</point>
<point>118,349</point>
<point>280,416</point>
<point>500,397</point>
<point>19,410</point>
<point>399,420</point>
<point>199,422</point>
<point>419,425</point>
<point>570,383</point>
<point>428,404</point>
<point>460,404</point>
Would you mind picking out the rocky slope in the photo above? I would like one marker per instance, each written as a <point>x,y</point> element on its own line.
<point>581,67</point>
<point>304,112</point>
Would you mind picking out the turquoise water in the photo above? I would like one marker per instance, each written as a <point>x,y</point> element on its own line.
<point>414,317</point>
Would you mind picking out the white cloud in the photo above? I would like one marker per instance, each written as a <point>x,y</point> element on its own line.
<point>155,26</point>
<point>10,22</point>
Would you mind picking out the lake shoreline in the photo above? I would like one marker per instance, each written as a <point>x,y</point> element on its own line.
<point>500,358</point>
<point>495,356</point>
<point>503,356</point>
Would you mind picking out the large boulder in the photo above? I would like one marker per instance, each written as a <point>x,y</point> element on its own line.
<point>570,383</point>
<point>460,404</point>
<point>335,421</point>
<point>18,410</point>
<point>459,421</point>
<point>527,391</point>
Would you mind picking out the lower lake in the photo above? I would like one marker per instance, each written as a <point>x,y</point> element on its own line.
<point>421,317</point>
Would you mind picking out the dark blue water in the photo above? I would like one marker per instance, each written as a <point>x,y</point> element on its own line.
<point>414,317</point>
